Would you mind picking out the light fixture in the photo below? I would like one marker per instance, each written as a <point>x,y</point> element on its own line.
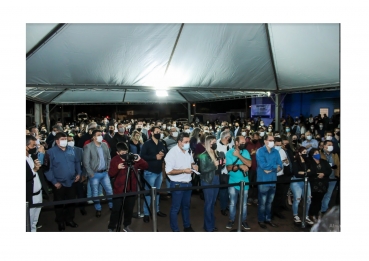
<point>161,93</point>
<point>268,94</point>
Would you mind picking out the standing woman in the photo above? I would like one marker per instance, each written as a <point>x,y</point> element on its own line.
<point>135,143</point>
<point>210,168</point>
<point>320,171</point>
<point>195,138</point>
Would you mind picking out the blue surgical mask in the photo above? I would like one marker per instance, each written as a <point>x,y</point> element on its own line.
<point>287,130</point>
<point>277,147</point>
<point>316,156</point>
<point>186,146</point>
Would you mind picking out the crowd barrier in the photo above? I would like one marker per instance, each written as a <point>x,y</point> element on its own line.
<point>153,192</point>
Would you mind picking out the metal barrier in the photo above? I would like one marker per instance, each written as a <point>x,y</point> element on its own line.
<point>153,191</point>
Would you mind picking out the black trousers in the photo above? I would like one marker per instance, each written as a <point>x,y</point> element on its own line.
<point>129,204</point>
<point>316,203</point>
<point>253,189</point>
<point>65,213</point>
<point>81,193</point>
<point>281,190</point>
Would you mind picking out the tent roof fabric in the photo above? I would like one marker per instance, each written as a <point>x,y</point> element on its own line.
<point>121,63</point>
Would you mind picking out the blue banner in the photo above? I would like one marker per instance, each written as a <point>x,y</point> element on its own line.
<point>263,110</point>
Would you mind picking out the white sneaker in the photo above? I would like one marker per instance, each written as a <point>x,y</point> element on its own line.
<point>127,229</point>
<point>90,202</point>
<point>309,221</point>
<point>296,219</point>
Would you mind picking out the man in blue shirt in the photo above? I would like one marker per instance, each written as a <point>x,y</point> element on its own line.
<point>269,163</point>
<point>238,162</point>
<point>309,142</point>
<point>64,171</point>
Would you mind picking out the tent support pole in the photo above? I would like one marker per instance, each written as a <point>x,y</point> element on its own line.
<point>189,111</point>
<point>277,106</point>
<point>47,117</point>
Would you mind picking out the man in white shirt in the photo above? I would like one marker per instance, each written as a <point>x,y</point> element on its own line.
<point>224,144</point>
<point>33,183</point>
<point>179,164</point>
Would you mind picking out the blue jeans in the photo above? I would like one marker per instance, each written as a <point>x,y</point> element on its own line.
<point>328,194</point>
<point>89,192</point>
<point>297,189</point>
<point>223,198</point>
<point>167,182</point>
<point>210,196</point>
<point>181,199</point>
<point>154,180</point>
<point>265,198</point>
<point>104,180</point>
<point>233,198</point>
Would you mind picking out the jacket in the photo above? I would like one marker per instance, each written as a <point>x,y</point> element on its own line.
<point>29,184</point>
<point>336,161</point>
<point>317,184</point>
<point>91,160</point>
<point>207,167</point>
<point>120,175</point>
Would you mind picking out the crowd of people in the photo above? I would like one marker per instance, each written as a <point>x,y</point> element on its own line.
<point>98,154</point>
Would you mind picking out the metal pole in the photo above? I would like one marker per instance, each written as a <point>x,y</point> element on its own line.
<point>28,218</point>
<point>240,204</point>
<point>304,202</point>
<point>277,121</point>
<point>153,209</point>
<point>37,114</point>
<point>62,115</point>
<point>189,111</point>
<point>139,214</point>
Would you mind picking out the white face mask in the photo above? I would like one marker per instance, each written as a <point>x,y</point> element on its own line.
<point>243,133</point>
<point>99,138</point>
<point>53,133</point>
<point>330,148</point>
<point>188,131</point>
<point>262,134</point>
<point>206,131</point>
<point>329,138</point>
<point>174,125</point>
<point>309,137</point>
<point>168,128</point>
<point>129,126</point>
<point>63,143</point>
<point>271,144</point>
<point>161,135</point>
<point>164,126</point>
<point>269,129</point>
<point>261,124</point>
<point>71,143</point>
<point>175,134</point>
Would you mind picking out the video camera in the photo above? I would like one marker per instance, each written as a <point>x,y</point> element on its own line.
<point>131,158</point>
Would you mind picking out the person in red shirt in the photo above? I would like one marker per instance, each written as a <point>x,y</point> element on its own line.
<point>118,170</point>
<point>252,147</point>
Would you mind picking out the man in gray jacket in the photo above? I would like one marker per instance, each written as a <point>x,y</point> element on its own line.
<point>96,160</point>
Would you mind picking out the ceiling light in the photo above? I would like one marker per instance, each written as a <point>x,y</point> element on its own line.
<point>161,93</point>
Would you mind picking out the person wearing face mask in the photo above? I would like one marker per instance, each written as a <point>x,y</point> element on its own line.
<point>270,129</point>
<point>96,161</point>
<point>195,138</point>
<point>135,143</point>
<point>50,141</point>
<point>224,144</point>
<point>64,171</point>
<point>237,129</point>
<point>119,137</point>
<point>238,162</point>
<point>333,160</point>
<point>118,170</point>
<point>301,168</point>
<point>321,130</point>
<point>295,129</point>
<point>309,143</point>
<point>210,166</point>
<point>294,144</point>
<point>313,130</point>
<point>171,141</point>
<point>153,152</point>
<point>320,172</point>
<point>179,163</point>
<point>33,183</point>
<point>87,136</point>
<point>262,136</point>
<point>329,136</point>
<point>269,163</point>
<point>252,147</point>
<point>109,136</point>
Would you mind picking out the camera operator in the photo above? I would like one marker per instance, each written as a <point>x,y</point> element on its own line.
<point>118,170</point>
<point>238,162</point>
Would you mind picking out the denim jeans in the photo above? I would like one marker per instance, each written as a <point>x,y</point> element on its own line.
<point>223,198</point>
<point>89,192</point>
<point>154,180</point>
<point>181,199</point>
<point>297,189</point>
<point>210,196</point>
<point>233,198</point>
<point>104,180</point>
<point>328,194</point>
<point>265,198</point>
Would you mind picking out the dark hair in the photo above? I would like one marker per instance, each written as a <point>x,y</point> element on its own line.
<point>122,146</point>
<point>267,135</point>
<point>255,134</point>
<point>29,138</point>
<point>326,141</point>
<point>94,132</point>
<point>277,139</point>
<point>238,139</point>
<point>312,151</point>
<point>152,129</point>
<point>59,135</point>
<point>284,137</point>
<point>182,135</point>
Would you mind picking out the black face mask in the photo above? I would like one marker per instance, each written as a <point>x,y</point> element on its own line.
<point>139,129</point>
<point>304,156</point>
<point>230,140</point>
<point>124,156</point>
<point>241,146</point>
<point>254,141</point>
<point>32,151</point>
<point>214,146</point>
<point>294,141</point>
<point>157,136</point>
<point>111,131</point>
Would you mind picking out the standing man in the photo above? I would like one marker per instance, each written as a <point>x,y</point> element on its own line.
<point>96,160</point>
<point>153,152</point>
<point>309,143</point>
<point>64,171</point>
<point>179,163</point>
<point>109,137</point>
<point>238,162</point>
<point>119,137</point>
<point>252,147</point>
<point>33,183</point>
<point>269,163</point>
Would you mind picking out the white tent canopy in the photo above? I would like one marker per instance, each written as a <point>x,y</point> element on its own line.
<point>121,63</point>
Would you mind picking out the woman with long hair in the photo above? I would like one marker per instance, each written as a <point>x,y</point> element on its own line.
<point>319,178</point>
<point>210,167</point>
<point>135,143</point>
<point>301,168</point>
<point>195,138</point>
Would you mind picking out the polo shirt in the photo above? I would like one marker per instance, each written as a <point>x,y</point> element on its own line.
<point>235,177</point>
<point>177,159</point>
